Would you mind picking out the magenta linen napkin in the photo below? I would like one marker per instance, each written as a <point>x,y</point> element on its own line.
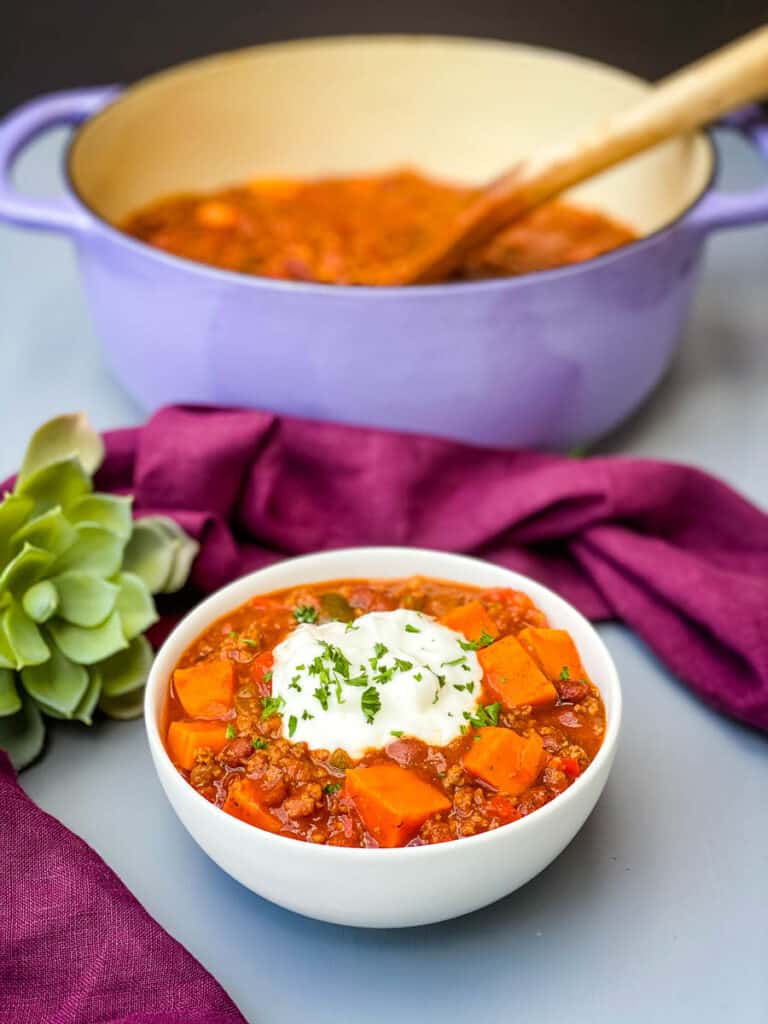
<point>672,552</point>
<point>75,946</point>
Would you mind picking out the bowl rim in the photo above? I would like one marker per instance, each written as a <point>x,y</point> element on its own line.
<point>368,291</point>
<point>216,604</point>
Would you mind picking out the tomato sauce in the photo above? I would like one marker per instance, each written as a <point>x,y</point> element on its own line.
<point>226,734</point>
<point>340,230</point>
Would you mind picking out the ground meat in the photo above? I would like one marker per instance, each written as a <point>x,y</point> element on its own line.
<point>533,799</point>
<point>304,801</point>
<point>576,752</point>
<point>554,778</point>
<point>435,830</point>
<point>454,776</point>
<point>205,770</point>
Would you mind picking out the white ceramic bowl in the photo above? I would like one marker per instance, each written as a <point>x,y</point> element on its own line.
<point>385,888</point>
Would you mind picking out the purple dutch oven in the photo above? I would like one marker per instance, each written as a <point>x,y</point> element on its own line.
<point>553,359</point>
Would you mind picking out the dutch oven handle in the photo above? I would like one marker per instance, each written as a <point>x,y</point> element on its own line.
<point>735,209</point>
<point>23,125</point>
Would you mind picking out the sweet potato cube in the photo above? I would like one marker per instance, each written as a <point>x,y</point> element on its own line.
<point>206,690</point>
<point>186,738</point>
<point>470,619</point>
<point>555,651</point>
<point>506,761</point>
<point>393,802</point>
<point>513,676</point>
<point>245,801</point>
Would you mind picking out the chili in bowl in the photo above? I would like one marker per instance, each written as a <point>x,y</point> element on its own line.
<point>427,727</point>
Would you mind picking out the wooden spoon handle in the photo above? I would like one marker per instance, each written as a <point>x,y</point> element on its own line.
<point>685,100</point>
<point>679,103</point>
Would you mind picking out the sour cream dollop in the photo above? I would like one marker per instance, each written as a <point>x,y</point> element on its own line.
<point>358,685</point>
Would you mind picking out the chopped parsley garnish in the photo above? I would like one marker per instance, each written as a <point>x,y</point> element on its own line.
<point>361,680</point>
<point>411,629</point>
<point>267,677</point>
<point>484,640</point>
<point>370,702</point>
<point>321,694</point>
<point>305,613</point>
<point>418,676</point>
<point>271,706</point>
<point>350,627</point>
<point>486,714</point>
<point>233,634</point>
<point>396,732</point>
<point>338,659</point>
<point>251,643</point>
<point>456,661</point>
<point>469,687</point>
<point>380,650</point>
<point>403,666</point>
<point>294,684</point>
<point>292,723</point>
<point>231,732</point>
<point>331,788</point>
<point>383,675</point>
<point>305,716</point>
<point>258,743</point>
<point>565,673</point>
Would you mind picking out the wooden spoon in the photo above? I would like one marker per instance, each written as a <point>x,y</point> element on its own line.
<point>688,99</point>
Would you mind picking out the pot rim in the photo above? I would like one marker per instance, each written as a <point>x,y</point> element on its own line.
<point>382,293</point>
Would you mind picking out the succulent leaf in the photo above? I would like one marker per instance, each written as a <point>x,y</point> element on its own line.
<point>25,569</point>
<point>161,553</point>
<point>59,683</point>
<point>129,705</point>
<point>7,657</point>
<point>22,735</point>
<point>50,531</point>
<point>10,701</point>
<point>127,670</point>
<point>95,550</point>
<point>64,437</point>
<point>185,551</point>
<point>84,599</point>
<point>86,645</point>
<point>90,699</point>
<point>14,511</point>
<point>135,605</point>
<point>58,484</point>
<point>106,510</point>
<point>149,555</point>
<point>24,638</point>
<point>40,601</point>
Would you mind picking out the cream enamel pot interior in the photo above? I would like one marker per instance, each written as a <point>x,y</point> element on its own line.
<point>553,359</point>
<point>384,888</point>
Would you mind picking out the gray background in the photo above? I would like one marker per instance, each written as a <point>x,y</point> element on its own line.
<point>50,44</point>
<point>656,910</point>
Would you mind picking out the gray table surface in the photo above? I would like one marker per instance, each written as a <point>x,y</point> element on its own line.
<point>658,909</point>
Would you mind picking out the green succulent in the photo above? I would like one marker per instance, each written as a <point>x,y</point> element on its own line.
<point>77,575</point>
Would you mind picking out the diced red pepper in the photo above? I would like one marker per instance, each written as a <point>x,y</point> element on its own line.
<point>261,667</point>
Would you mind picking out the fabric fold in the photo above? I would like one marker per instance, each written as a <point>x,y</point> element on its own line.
<point>668,549</point>
<point>75,945</point>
